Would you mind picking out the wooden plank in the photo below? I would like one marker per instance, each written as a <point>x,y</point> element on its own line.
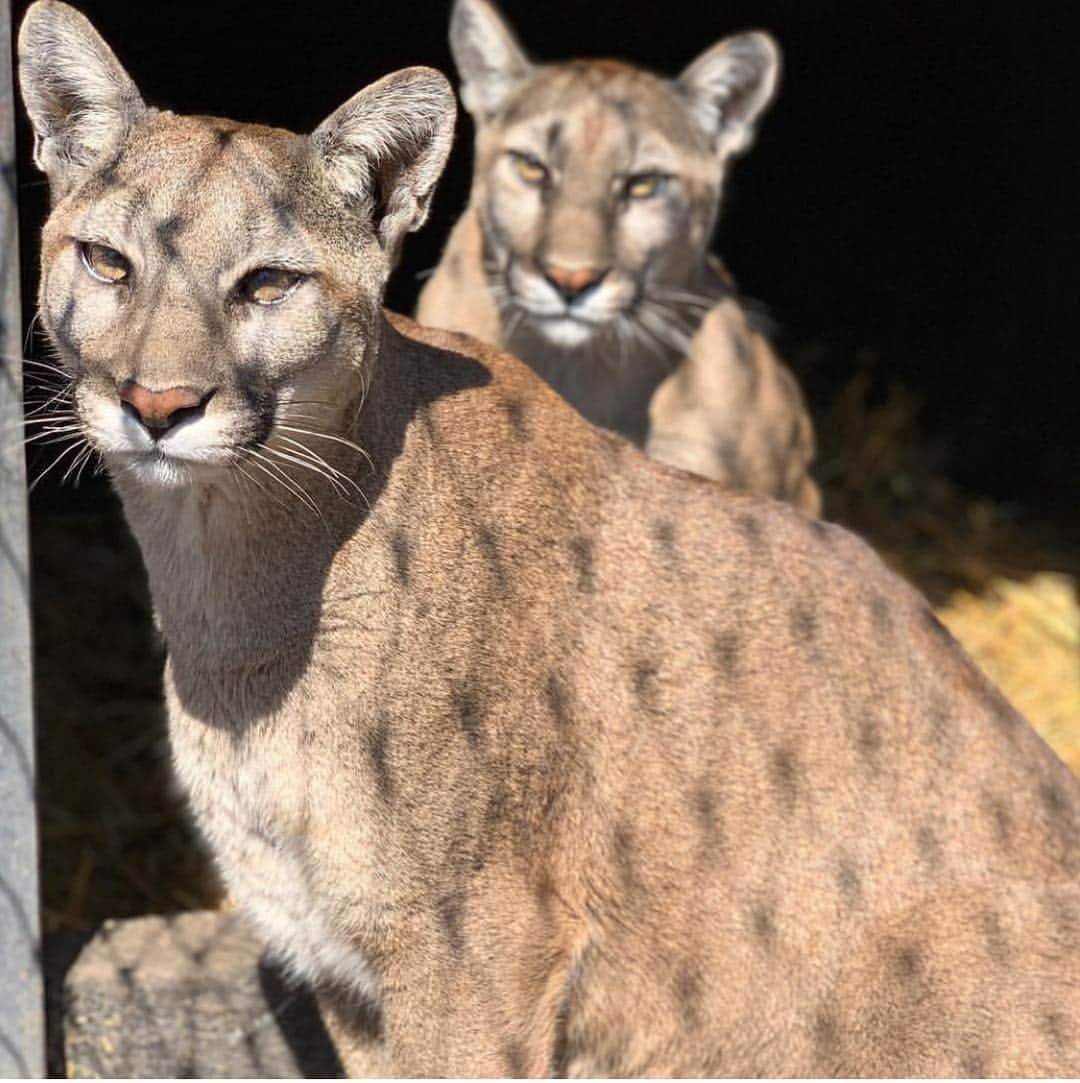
<point>22,1043</point>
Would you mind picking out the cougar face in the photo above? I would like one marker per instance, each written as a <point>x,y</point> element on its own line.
<point>597,183</point>
<point>598,207</point>
<point>189,330</point>
<point>195,272</point>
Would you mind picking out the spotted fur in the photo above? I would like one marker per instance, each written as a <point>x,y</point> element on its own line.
<point>532,755</point>
<point>656,346</point>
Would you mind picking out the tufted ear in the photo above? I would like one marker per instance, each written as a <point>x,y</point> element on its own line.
<point>385,148</point>
<point>729,85</point>
<point>488,57</point>
<point>80,99</point>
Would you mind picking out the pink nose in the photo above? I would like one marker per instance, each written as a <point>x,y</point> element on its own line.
<point>159,411</point>
<point>571,283</point>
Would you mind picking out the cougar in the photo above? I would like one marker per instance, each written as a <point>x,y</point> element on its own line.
<point>531,754</point>
<point>585,250</point>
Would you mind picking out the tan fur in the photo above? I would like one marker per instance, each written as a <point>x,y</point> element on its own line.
<point>661,350</point>
<point>540,756</point>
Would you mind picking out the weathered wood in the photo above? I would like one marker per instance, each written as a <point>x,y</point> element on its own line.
<point>22,1049</point>
<point>187,995</point>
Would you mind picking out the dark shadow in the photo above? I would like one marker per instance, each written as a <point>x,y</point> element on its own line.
<point>60,952</point>
<point>297,1017</point>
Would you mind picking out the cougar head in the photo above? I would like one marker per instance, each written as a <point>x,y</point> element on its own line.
<point>597,184</point>
<point>201,279</point>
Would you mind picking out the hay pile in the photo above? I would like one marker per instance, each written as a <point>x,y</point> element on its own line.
<point>1026,638</point>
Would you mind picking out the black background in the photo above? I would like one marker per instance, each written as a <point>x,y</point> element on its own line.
<point>911,204</point>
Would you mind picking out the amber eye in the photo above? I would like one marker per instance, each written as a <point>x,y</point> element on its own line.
<point>104,263</point>
<point>529,169</point>
<point>268,285</point>
<point>643,185</point>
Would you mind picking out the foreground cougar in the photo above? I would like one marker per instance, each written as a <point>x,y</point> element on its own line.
<point>539,756</point>
<point>584,249</point>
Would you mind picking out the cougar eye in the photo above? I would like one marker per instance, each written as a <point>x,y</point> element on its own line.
<point>104,263</point>
<point>268,285</point>
<point>531,170</point>
<point>643,185</point>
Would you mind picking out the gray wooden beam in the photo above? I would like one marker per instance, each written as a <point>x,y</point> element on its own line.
<point>22,1022</point>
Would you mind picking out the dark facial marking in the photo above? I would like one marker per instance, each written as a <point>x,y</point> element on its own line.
<point>107,176</point>
<point>62,331</point>
<point>622,107</point>
<point>582,550</point>
<point>726,649</point>
<point>553,139</point>
<point>284,209</point>
<point>260,399</point>
<point>399,543</point>
<point>166,233</point>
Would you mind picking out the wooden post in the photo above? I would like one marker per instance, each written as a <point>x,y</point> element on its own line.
<point>22,1014</point>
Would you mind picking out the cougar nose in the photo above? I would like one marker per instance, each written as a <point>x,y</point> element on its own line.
<point>572,283</point>
<point>160,411</point>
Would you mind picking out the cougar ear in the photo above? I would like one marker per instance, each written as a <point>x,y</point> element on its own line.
<point>729,85</point>
<point>487,55</point>
<point>385,148</point>
<point>80,99</point>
